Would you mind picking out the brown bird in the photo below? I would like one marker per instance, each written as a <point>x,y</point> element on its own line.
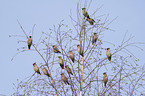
<point>108,53</point>
<point>68,70</point>
<point>55,49</point>
<point>95,37</point>
<point>105,78</point>
<point>85,13</point>
<point>29,42</point>
<point>61,62</point>
<point>71,55</point>
<point>45,71</point>
<point>91,21</point>
<point>64,79</point>
<point>80,50</point>
<point>36,69</point>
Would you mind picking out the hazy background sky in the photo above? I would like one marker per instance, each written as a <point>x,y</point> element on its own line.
<point>45,14</point>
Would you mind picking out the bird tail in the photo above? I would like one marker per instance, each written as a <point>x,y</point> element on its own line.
<point>62,66</point>
<point>88,16</point>
<point>39,73</point>
<point>92,42</point>
<point>82,55</point>
<point>109,58</point>
<point>73,60</point>
<point>29,47</point>
<point>105,85</point>
<point>68,83</point>
<point>48,75</point>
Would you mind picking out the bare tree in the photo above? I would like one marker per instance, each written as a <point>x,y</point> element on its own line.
<point>127,77</point>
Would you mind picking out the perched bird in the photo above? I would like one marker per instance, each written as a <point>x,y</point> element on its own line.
<point>91,21</point>
<point>61,62</point>
<point>55,49</point>
<point>80,50</point>
<point>85,13</point>
<point>68,70</point>
<point>108,53</point>
<point>29,42</point>
<point>95,37</point>
<point>71,55</point>
<point>64,79</point>
<point>45,71</point>
<point>105,78</point>
<point>36,69</point>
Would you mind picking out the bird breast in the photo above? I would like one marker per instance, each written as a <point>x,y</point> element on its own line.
<point>29,41</point>
<point>44,71</point>
<point>60,61</point>
<point>108,53</point>
<point>78,49</point>
<point>105,79</point>
<point>36,68</point>
<point>71,55</point>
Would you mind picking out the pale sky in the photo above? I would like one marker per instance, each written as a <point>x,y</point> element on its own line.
<point>45,14</point>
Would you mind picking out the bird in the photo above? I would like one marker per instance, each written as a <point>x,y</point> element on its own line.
<point>55,49</point>
<point>105,78</point>
<point>80,50</point>
<point>45,71</point>
<point>85,13</point>
<point>61,62</point>
<point>71,55</point>
<point>108,53</point>
<point>91,21</point>
<point>29,42</point>
<point>64,79</point>
<point>36,68</point>
<point>68,70</point>
<point>95,37</point>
